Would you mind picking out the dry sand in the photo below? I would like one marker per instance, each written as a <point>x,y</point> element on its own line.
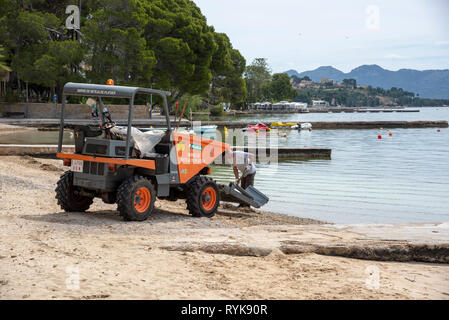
<point>235,255</point>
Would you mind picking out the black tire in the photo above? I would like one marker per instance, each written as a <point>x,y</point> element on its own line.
<point>197,198</point>
<point>135,199</point>
<point>66,197</point>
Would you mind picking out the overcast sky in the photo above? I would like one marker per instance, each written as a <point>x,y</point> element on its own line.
<point>303,35</point>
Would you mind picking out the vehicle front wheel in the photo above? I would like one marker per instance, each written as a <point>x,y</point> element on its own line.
<point>203,197</point>
<point>135,199</point>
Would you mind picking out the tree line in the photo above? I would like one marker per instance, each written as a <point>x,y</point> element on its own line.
<point>263,86</point>
<point>164,43</point>
<point>351,95</point>
<point>370,97</point>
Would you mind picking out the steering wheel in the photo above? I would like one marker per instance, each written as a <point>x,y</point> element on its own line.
<point>108,123</point>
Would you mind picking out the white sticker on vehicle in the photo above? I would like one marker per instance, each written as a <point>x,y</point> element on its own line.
<point>77,165</point>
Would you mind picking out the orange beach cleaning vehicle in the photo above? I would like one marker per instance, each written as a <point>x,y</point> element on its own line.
<point>130,167</point>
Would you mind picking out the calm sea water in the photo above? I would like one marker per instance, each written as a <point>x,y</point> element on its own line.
<point>403,178</point>
<point>424,114</point>
<point>36,137</point>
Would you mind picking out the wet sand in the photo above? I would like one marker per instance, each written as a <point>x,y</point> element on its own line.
<point>235,255</point>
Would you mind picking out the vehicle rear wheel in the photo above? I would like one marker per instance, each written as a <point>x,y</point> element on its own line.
<point>135,199</point>
<point>67,197</point>
<point>203,197</point>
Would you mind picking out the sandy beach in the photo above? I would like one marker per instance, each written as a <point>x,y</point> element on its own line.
<point>235,255</point>
<point>48,254</point>
<point>333,117</point>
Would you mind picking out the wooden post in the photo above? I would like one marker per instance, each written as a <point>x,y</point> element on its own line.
<point>182,113</point>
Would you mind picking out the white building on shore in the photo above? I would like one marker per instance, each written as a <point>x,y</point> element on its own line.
<point>320,103</point>
<point>280,106</point>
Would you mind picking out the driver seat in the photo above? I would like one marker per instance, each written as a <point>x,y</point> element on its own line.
<point>82,132</point>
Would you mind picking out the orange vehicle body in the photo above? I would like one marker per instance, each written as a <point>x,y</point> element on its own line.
<point>147,164</point>
<point>193,154</point>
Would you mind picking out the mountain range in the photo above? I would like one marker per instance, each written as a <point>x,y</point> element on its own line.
<point>428,83</point>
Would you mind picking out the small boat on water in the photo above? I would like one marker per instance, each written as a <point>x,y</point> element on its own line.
<point>181,130</point>
<point>283,125</point>
<point>292,125</point>
<point>258,126</point>
<point>187,131</point>
<point>205,129</point>
<point>303,126</point>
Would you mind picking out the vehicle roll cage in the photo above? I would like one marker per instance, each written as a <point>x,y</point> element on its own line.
<point>106,91</point>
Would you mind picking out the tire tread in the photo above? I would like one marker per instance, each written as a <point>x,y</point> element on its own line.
<point>125,203</point>
<point>63,193</point>
<point>194,194</point>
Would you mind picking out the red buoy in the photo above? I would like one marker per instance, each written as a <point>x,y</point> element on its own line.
<point>379,137</point>
<point>391,134</point>
<point>438,130</point>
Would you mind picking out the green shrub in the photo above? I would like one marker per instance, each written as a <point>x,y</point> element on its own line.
<point>216,111</point>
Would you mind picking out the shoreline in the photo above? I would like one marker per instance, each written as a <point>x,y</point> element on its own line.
<point>238,254</point>
<point>9,129</point>
<point>48,124</point>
